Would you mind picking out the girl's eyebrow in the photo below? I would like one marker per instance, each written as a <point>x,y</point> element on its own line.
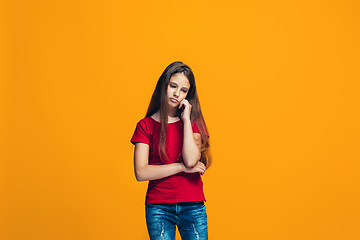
<point>176,85</point>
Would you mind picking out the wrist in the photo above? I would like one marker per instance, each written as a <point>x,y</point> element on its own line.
<point>182,167</point>
<point>187,121</point>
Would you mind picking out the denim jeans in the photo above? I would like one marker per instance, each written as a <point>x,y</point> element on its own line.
<point>189,217</point>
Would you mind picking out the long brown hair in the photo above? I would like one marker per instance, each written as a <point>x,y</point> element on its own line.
<point>159,101</point>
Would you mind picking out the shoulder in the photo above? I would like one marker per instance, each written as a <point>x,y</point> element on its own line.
<point>147,125</point>
<point>143,131</point>
<point>197,124</point>
<point>145,121</point>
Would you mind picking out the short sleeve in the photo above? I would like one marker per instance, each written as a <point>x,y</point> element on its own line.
<point>196,129</point>
<point>140,134</point>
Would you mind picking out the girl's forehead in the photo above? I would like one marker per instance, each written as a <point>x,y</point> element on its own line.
<point>180,79</point>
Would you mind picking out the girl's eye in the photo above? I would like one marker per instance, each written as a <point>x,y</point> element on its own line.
<point>184,91</point>
<point>172,86</point>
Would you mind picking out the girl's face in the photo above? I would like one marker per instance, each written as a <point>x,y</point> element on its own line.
<point>177,89</point>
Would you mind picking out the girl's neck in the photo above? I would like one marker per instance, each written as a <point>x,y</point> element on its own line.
<point>171,119</point>
<point>172,113</point>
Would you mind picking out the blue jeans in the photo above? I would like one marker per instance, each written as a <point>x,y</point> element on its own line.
<point>190,217</point>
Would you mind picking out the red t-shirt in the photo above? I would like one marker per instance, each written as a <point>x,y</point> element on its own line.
<point>181,187</point>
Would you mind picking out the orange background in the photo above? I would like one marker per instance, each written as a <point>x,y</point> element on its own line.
<point>278,83</point>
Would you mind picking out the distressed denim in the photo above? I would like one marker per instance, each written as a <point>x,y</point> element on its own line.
<point>189,217</point>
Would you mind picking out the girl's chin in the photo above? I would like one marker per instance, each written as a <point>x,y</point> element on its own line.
<point>173,104</point>
<point>173,107</point>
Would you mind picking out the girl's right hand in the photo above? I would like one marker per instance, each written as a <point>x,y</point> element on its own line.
<point>199,167</point>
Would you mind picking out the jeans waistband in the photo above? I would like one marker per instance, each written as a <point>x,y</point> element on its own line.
<point>179,203</point>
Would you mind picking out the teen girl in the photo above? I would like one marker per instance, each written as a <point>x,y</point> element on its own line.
<point>171,152</point>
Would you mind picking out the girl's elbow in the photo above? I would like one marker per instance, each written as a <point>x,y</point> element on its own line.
<point>192,162</point>
<point>190,165</point>
<point>139,177</point>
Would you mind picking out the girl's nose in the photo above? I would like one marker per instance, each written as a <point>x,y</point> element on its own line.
<point>176,93</point>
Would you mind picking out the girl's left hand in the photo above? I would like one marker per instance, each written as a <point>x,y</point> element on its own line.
<point>185,115</point>
<point>199,167</point>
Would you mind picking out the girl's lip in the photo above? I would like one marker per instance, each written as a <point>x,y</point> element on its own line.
<point>173,100</point>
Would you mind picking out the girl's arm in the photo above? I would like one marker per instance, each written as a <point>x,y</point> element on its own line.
<point>146,172</point>
<point>191,150</point>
